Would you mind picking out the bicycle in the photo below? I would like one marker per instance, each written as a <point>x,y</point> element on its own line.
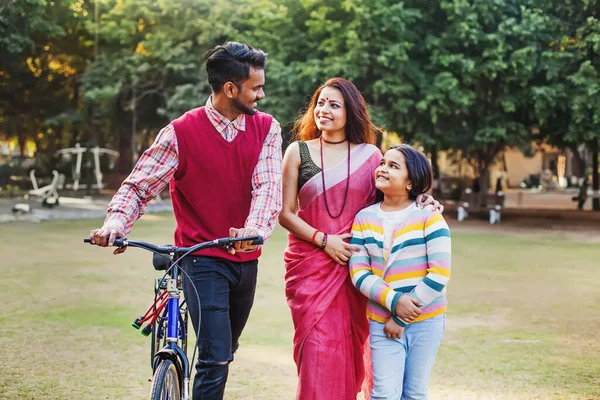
<point>167,314</point>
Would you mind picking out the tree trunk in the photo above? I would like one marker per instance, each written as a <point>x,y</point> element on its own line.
<point>125,162</point>
<point>75,136</point>
<point>38,146</point>
<point>123,127</point>
<point>434,161</point>
<point>579,165</point>
<point>595,178</point>
<point>56,139</point>
<point>22,138</point>
<point>134,153</point>
<point>437,185</point>
<point>484,178</point>
<point>483,164</point>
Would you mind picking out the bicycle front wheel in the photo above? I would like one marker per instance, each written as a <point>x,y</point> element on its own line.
<point>165,382</point>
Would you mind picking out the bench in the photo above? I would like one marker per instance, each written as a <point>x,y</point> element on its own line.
<point>475,202</point>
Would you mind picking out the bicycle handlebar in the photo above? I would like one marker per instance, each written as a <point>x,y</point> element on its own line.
<point>223,242</point>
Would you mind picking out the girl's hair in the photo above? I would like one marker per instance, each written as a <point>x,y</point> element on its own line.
<point>359,127</point>
<point>420,173</point>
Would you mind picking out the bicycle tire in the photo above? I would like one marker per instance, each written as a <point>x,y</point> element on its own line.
<point>165,382</point>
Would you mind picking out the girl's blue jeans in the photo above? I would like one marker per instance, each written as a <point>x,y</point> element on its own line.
<point>402,367</point>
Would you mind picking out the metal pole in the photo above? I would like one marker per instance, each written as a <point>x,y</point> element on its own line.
<point>595,178</point>
<point>134,127</point>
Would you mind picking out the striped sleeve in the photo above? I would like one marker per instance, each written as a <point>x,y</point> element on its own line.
<point>361,271</point>
<point>438,250</point>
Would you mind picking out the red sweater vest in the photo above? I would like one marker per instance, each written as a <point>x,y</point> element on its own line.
<point>211,190</point>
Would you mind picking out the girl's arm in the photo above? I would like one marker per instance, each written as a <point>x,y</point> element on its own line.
<point>361,271</point>
<point>437,243</point>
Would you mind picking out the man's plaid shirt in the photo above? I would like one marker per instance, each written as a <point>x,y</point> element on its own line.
<point>158,164</point>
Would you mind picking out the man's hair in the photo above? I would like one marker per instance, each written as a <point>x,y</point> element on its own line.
<point>231,62</point>
<point>420,173</point>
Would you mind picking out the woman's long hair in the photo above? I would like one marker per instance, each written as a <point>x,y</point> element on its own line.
<point>359,127</point>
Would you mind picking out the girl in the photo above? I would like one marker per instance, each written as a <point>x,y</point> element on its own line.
<point>402,266</point>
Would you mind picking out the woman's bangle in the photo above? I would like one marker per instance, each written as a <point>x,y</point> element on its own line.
<point>312,239</point>
<point>324,241</point>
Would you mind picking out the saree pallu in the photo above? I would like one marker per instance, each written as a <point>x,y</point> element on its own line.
<point>329,313</point>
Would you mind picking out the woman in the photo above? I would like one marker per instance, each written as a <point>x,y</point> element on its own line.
<point>335,151</point>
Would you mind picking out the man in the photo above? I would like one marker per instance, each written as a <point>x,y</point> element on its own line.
<point>223,164</point>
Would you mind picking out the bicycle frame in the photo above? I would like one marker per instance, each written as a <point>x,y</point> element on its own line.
<point>172,351</point>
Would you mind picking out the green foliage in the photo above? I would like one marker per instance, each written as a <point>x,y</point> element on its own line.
<point>20,23</point>
<point>474,76</point>
<point>43,51</point>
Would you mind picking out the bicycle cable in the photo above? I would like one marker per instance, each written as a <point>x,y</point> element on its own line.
<point>176,262</point>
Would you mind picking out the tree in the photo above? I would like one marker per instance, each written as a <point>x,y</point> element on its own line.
<point>151,65</point>
<point>569,112</point>
<point>43,50</point>
<point>492,53</point>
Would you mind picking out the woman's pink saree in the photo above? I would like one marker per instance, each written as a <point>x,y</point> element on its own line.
<point>329,317</point>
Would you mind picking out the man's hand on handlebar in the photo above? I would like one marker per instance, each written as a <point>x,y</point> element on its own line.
<point>242,246</point>
<point>105,237</point>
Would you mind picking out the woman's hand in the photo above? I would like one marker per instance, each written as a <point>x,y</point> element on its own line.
<point>424,200</point>
<point>338,249</point>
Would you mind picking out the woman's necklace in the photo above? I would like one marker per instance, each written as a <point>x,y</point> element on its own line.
<point>321,140</point>
<point>330,142</point>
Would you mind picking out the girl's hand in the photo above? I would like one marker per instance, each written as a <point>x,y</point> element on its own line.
<point>407,309</point>
<point>392,330</point>
<point>338,249</point>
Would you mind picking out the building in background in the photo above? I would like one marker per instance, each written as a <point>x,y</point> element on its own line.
<point>549,167</point>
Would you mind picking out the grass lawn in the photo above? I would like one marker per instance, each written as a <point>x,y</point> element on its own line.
<point>523,321</point>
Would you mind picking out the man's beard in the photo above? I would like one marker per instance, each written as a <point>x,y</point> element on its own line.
<point>242,108</point>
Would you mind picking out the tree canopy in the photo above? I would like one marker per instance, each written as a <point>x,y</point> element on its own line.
<point>473,76</point>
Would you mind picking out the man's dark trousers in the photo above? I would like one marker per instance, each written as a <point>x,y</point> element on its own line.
<point>226,292</point>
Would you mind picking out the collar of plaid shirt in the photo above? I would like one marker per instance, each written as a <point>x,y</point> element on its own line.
<point>220,122</point>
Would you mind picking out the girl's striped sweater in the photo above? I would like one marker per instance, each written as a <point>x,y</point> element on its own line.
<point>417,264</point>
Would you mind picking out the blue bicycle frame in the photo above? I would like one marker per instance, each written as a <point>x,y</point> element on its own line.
<point>172,351</point>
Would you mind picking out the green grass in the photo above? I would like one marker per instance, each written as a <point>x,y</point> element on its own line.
<point>523,320</point>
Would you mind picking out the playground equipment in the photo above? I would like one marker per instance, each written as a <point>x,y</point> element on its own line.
<point>49,193</point>
<point>78,152</point>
